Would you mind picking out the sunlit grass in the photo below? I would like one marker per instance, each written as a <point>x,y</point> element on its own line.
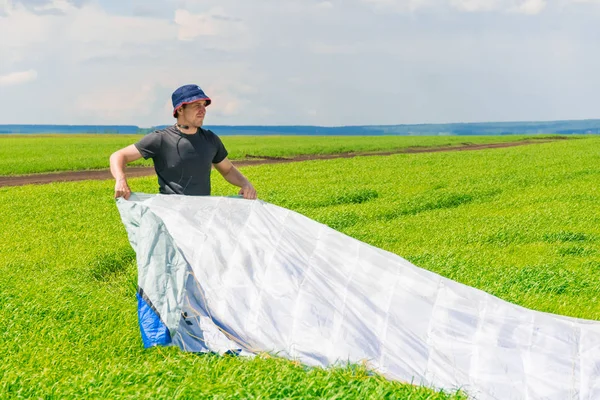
<point>521,223</point>
<point>27,154</point>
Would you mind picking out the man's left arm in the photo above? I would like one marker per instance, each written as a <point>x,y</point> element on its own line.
<point>235,177</point>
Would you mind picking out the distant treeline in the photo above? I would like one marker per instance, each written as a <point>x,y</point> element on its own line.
<point>590,126</point>
<point>128,129</point>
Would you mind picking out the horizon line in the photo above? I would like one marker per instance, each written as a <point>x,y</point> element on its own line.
<point>325,126</point>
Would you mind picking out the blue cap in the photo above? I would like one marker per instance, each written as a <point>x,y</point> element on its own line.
<point>188,94</point>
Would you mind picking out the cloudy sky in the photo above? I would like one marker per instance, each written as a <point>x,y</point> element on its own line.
<point>306,62</point>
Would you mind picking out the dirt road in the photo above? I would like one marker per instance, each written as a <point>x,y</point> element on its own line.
<point>66,176</point>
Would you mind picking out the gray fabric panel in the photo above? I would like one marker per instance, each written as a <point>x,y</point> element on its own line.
<point>197,331</point>
<point>161,267</point>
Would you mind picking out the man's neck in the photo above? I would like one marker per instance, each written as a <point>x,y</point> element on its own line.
<point>186,129</point>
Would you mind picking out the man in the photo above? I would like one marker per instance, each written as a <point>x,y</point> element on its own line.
<point>183,153</point>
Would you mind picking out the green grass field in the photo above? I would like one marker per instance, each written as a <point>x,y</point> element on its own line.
<point>27,154</point>
<point>521,223</point>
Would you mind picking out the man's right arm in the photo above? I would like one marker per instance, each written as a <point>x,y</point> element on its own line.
<point>118,160</point>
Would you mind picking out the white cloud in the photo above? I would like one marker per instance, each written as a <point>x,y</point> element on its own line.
<point>92,25</point>
<point>477,5</point>
<point>403,5</point>
<point>18,78</point>
<point>193,25</point>
<point>216,28</point>
<point>530,7</point>
<point>117,103</point>
<point>55,6</point>
<point>232,107</point>
<point>230,98</point>
<point>3,7</point>
<point>13,23</point>
<point>298,61</point>
<point>326,48</point>
<point>324,5</point>
<point>79,33</point>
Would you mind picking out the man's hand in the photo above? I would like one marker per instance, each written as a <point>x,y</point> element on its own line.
<point>235,177</point>
<point>118,160</point>
<point>248,192</point>
<point>122,189</point>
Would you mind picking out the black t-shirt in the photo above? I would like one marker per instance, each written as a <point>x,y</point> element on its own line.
<point>183,162</point>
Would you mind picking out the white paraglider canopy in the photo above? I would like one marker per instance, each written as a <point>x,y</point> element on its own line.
<point>227,274</point>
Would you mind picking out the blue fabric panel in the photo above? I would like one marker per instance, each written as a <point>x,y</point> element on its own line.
<point>154,331</point>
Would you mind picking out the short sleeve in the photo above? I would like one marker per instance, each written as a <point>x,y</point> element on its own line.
<point>221,150</point>
<point>149,145</point>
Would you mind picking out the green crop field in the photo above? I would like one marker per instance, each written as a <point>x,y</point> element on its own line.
<point>27,154</point>
<point>521,223</point>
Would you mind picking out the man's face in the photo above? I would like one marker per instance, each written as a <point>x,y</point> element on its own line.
<point>193,113</point>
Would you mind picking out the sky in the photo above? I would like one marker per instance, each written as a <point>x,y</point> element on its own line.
<point>300,62</point>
